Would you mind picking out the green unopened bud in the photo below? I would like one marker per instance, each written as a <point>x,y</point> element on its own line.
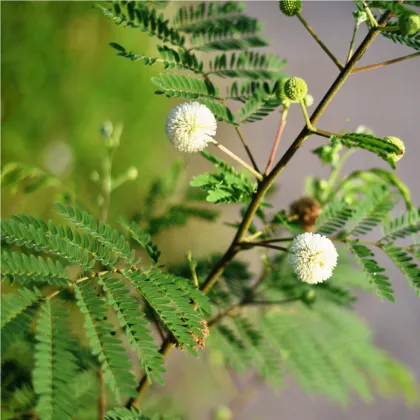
<point>295,89</point>
<point>309,297</point>
<point>94,176</point>
<point>290,7</point>
<point>308,100</point>
<point>409,24</point>
<point>223,413</point>
<point>132,173</point>
<point>106,130</point>
<point>280,94</point>
<point>396,142</point>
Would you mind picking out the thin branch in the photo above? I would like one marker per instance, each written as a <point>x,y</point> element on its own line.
<point>267,241</point>
<point>353,39</point>
<point>385,63</point>
<point>102,394</point>
<point>372,19</point>
<point>318,40</point>
<point>248,150</point>
<point>248,245</point>
<point>238,159</point>
<point>282,125</point>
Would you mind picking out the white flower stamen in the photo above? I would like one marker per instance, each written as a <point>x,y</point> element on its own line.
<point>312,257</point>
<point>190,127</point>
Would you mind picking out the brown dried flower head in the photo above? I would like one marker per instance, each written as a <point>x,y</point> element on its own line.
<point>200,340</point>
<point>306,210</point>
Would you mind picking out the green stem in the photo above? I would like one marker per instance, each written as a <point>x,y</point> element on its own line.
<point>305,115</point>
<point>318,40</point>
<point>353,39</point>
<point>328,192</point>
<point>372,19</point>
<point>268,181</point>
<point>247,149</point>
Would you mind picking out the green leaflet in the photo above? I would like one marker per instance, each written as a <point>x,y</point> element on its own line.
<point>401,226</point>
<point>35,269</point>
<point>405,263</point>
<point>139,16</point>
<point>375,274</point>
<point>170,299</point>
<point>136,327</point>
<point>224,186</point>
<point>109,350</point>
<point>103,233</point>
<point>55,365</point>
<point>380,147</point>
<point>251,65</point>
<point>178,85</point>
<point>17,311</point>
<point>143,239</point>
<point>258,106</point>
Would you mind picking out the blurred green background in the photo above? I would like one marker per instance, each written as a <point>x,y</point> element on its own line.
<point>60,81</point>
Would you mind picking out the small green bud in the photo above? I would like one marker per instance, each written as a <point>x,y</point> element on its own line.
<point>308,100</point>
<point>132,173</point>
<point>308,297</point>
<point>409,23</point>
<point>223,413</point>
<point>94,176</point>
<point>290,7</point>
<point>295,89</point>
<point>106,130</point>
<point>397,142</point>
<point>280,94</point>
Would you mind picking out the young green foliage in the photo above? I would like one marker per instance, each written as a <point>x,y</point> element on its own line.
<point>55,364</point>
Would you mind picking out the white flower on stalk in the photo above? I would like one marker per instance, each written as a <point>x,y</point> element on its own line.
<point>190,127</point>
<point>312,257</point>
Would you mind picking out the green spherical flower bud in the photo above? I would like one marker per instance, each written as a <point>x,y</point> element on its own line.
<point>409,24</point>
<point>132,173</point>
<point>290,7</point>
<point>397,142</point>
<point>308,100</point>
<point>309,297</point>
<point>280,94</point>
<point>295,89</point>
<point>223,413</point>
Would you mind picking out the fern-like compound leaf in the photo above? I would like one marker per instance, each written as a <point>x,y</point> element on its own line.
<point>136,327</point>
<point>375,274</point>
<point>249,64</point>
<point>178,85</point>
<point>333,217</point>
<point>17,312</point>
<point>405,263</point>
<point>258,106</point>
<point>138,16</point>
<point>171,301</point>
<point>102,232</point>
<point>34,269</point>
<point>109,350</point>
<point>55,365</point>
<point>401,226</point>
<point>143,239</point>
<point>35,234</point>
<point>370,212</point>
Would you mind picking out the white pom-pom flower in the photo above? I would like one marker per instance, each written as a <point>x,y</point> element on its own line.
<point>312,257</point>
<point>190,127</point>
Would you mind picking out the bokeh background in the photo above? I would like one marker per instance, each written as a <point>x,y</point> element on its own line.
<point>60,81</point>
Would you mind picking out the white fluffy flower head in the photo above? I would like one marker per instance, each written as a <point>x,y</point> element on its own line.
<point>312,257</point>
<point>190,127</point>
